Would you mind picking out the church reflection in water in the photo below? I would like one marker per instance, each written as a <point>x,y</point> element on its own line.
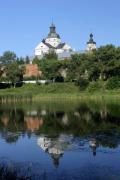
<point>93,145</point>
<point>33,123</point>
<point>58,129</point>
<point>55,147</point>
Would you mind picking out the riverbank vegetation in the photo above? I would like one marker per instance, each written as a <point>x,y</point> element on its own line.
<point>87,70</point>
<point>96,72</point>
<point>60,91</point>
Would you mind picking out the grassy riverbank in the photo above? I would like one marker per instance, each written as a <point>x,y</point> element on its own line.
<point>58,90</point>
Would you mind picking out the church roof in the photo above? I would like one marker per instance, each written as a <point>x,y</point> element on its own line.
<point>52,33</point>
<point>48,45</point>
<point>91,40</point>
<point>61,45</point>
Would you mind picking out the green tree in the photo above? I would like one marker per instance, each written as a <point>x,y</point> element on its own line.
<point>113,83</point>
<point>21,61</point>
<point>36,60</point>
<point>8,57</point>
<point>51,55</point>
<point>14,73</point>
<point>50,69</point>
<point>27,60</point>
<point>108,59</point>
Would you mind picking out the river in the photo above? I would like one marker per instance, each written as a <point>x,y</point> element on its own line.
<point>60,140</point>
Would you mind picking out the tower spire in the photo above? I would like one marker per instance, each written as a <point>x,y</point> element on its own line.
<point>91,44</point>
<point>91,40</point>
<point>53,33</point>
<point>52,21</point>
<point>52,28</point>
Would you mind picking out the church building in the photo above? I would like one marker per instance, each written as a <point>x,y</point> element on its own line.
<point>52,43</point>
<point>91,44</point>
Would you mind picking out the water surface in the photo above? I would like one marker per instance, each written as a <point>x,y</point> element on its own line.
<point>60,140</point>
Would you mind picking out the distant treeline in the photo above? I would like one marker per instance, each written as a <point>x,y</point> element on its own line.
<point>85,69</point>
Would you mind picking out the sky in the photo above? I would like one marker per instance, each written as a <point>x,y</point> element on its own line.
<point>24,23</point>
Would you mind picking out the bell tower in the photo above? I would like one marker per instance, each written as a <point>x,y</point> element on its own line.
<point>53,38</point>
<point>91,44</point>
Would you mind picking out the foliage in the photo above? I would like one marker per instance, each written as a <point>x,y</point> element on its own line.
<point>30,78</point>
<point>113,83</point>
<point>14,73</point>
<point>51,55</point>
<point>43,90</point>
<point>82,83</point>
<point>96,86</point>
<point>8,57</point>
<point>27,60</point>
<point>21,61</point>
<point>49,68</point>
<point>100,64</point>
<point>105,53</point>
<point>3,79</point>
<point>36,61</point>
<point>54,69</point>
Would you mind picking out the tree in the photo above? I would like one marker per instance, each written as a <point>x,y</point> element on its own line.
<point>82,83</point>
<point>21,61</point>
<point>108,61</point>
<point>27,60</point>
<point>14,73</point>
<point>1,71</point>
<point>50,69</point>
<point>8,57</point>
<point>102,63</point>
<point>113,83</point>
<point>51,55</point>
<point>36,60</point>
<point>105,53</point>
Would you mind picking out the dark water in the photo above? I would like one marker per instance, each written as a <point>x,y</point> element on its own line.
<point>60,141</point>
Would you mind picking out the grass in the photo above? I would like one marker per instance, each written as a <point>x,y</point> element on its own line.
<point>56,91</point>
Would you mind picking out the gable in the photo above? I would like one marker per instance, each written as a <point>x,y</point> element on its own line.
<point>42,46</point>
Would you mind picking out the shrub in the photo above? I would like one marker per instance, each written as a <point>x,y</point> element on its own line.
<point>95,86</point>
<point>82,83</point>
<point>31,78</point>
<point>113,83</point>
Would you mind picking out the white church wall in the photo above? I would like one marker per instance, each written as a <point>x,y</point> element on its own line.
<point>91,47</point>
<point>41,49</point>
<point>67,47</point>
<point>53,41</point>
<point>58,51</point>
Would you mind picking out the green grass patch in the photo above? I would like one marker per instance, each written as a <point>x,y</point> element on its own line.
<point>56,91</point>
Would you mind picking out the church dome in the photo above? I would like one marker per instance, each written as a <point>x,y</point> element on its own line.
<point>52,33</point>
<point>91,40</point>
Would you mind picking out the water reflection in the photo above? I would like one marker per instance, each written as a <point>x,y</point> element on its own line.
<point>55,147</point>
<point>93,145</point>
<point>61,129</point>
<point>83,120</point>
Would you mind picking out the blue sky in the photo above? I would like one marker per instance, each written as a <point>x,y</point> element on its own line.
<point>24,23</point>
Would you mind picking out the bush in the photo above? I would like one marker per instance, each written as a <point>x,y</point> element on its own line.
<point>95,86</point>
<point>113,83</point>
<point>82,83</point>
<point>31,78</point>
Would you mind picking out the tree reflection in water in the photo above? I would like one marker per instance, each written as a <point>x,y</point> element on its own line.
<point>58,126</point>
